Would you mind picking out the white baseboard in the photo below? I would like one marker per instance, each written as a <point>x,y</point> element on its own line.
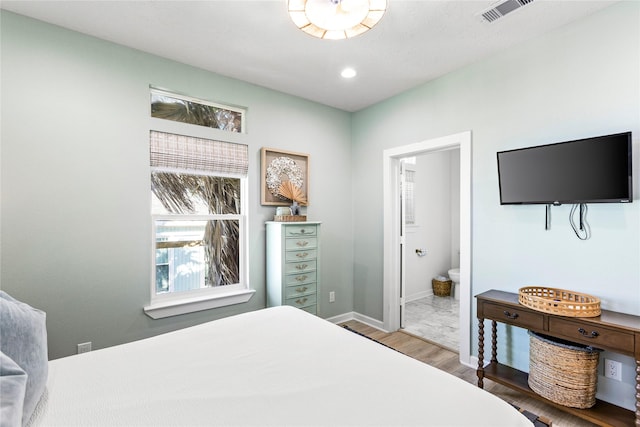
<point>369,321</point>
<point>341,318</point>
<point>419,295</point>
<point>473,362</point>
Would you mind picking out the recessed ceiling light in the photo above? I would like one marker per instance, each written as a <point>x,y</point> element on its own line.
<point>348,73</point>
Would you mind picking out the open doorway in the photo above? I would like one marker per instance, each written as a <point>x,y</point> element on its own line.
<point>431,231</point>
<point>393,240</point>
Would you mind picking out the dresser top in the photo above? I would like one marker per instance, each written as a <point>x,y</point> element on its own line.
<point>613,318</point>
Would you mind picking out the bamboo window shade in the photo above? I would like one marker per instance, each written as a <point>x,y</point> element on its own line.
<point>169,150</point>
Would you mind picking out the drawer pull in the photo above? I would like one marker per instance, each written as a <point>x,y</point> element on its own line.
<point>302,243</point>
<point>301,301</point>
<point>302,255</point>
<point>302,266</point>
<point>584,333</point>
<point>301,278</point>
<point>297,233</point>
<point>510,315</point>
<point>302,289</point>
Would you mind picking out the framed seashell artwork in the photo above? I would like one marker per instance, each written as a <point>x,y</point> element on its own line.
<point>284,177</point>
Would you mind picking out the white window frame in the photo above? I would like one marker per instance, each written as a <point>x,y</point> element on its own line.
<point>175,303</point>
<point>179,303</point>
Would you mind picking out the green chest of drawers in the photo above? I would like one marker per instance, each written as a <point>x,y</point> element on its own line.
<point>293,264</point>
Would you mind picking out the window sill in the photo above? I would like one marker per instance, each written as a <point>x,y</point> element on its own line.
<point>159,310</point>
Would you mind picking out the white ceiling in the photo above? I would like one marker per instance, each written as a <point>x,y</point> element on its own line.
<point>255,41</point>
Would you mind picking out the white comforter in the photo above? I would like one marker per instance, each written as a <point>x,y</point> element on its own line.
<point>274,367</point>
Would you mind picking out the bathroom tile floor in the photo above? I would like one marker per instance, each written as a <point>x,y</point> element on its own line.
<point>435,319</point>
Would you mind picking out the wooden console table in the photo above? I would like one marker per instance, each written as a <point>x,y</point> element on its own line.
<point>616,332</point>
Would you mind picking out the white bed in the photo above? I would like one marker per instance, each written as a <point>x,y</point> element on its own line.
<point>279,366</point>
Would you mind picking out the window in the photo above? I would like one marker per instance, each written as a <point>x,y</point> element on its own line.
<point>182,108</point>
<point>198,192</point>
<point>408,190</point>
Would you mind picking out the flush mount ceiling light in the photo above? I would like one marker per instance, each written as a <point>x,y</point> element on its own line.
<point>348,73</point>
<point>336,19</point>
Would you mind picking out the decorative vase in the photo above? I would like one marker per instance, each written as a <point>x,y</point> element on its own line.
<point>295,208</point>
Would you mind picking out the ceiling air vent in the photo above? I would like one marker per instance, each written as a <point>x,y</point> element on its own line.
<point>502,8</point>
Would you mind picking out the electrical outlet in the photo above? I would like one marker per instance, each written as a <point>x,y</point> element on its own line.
<point>613,369</point>
<point>85,347</point>
<point>332,296</point>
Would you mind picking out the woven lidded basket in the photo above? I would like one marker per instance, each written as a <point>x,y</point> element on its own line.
<point>441,288</point>
<point>559,301</point>
<point>563,372</point>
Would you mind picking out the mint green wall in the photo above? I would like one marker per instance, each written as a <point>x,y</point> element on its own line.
<point>581,80</point>
<point>75,180</point>
<point>75,228</point>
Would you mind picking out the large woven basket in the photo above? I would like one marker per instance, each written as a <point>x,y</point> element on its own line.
<point>563,372</point>
<point>559,301</point>
<point>441,288</point>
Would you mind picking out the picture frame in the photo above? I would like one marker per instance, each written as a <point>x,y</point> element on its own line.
<point>278,165</point>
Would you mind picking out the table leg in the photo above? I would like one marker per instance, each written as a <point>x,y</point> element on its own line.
<point>494,341</point>
<point>480,371</point>
<point>637,392</point>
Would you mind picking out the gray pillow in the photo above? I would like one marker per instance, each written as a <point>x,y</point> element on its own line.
<point>24,340</point>
<point>13,384</point>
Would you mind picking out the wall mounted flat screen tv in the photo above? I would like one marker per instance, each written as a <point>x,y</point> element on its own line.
<point>591,170</point>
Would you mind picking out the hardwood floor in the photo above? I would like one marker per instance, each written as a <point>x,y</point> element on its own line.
<point>447,360</point>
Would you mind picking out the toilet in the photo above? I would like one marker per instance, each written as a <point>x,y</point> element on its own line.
<point>454,275</point>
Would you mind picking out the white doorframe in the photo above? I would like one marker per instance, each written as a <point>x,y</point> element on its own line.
<point>391,279</point>
<point>403,243</point>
